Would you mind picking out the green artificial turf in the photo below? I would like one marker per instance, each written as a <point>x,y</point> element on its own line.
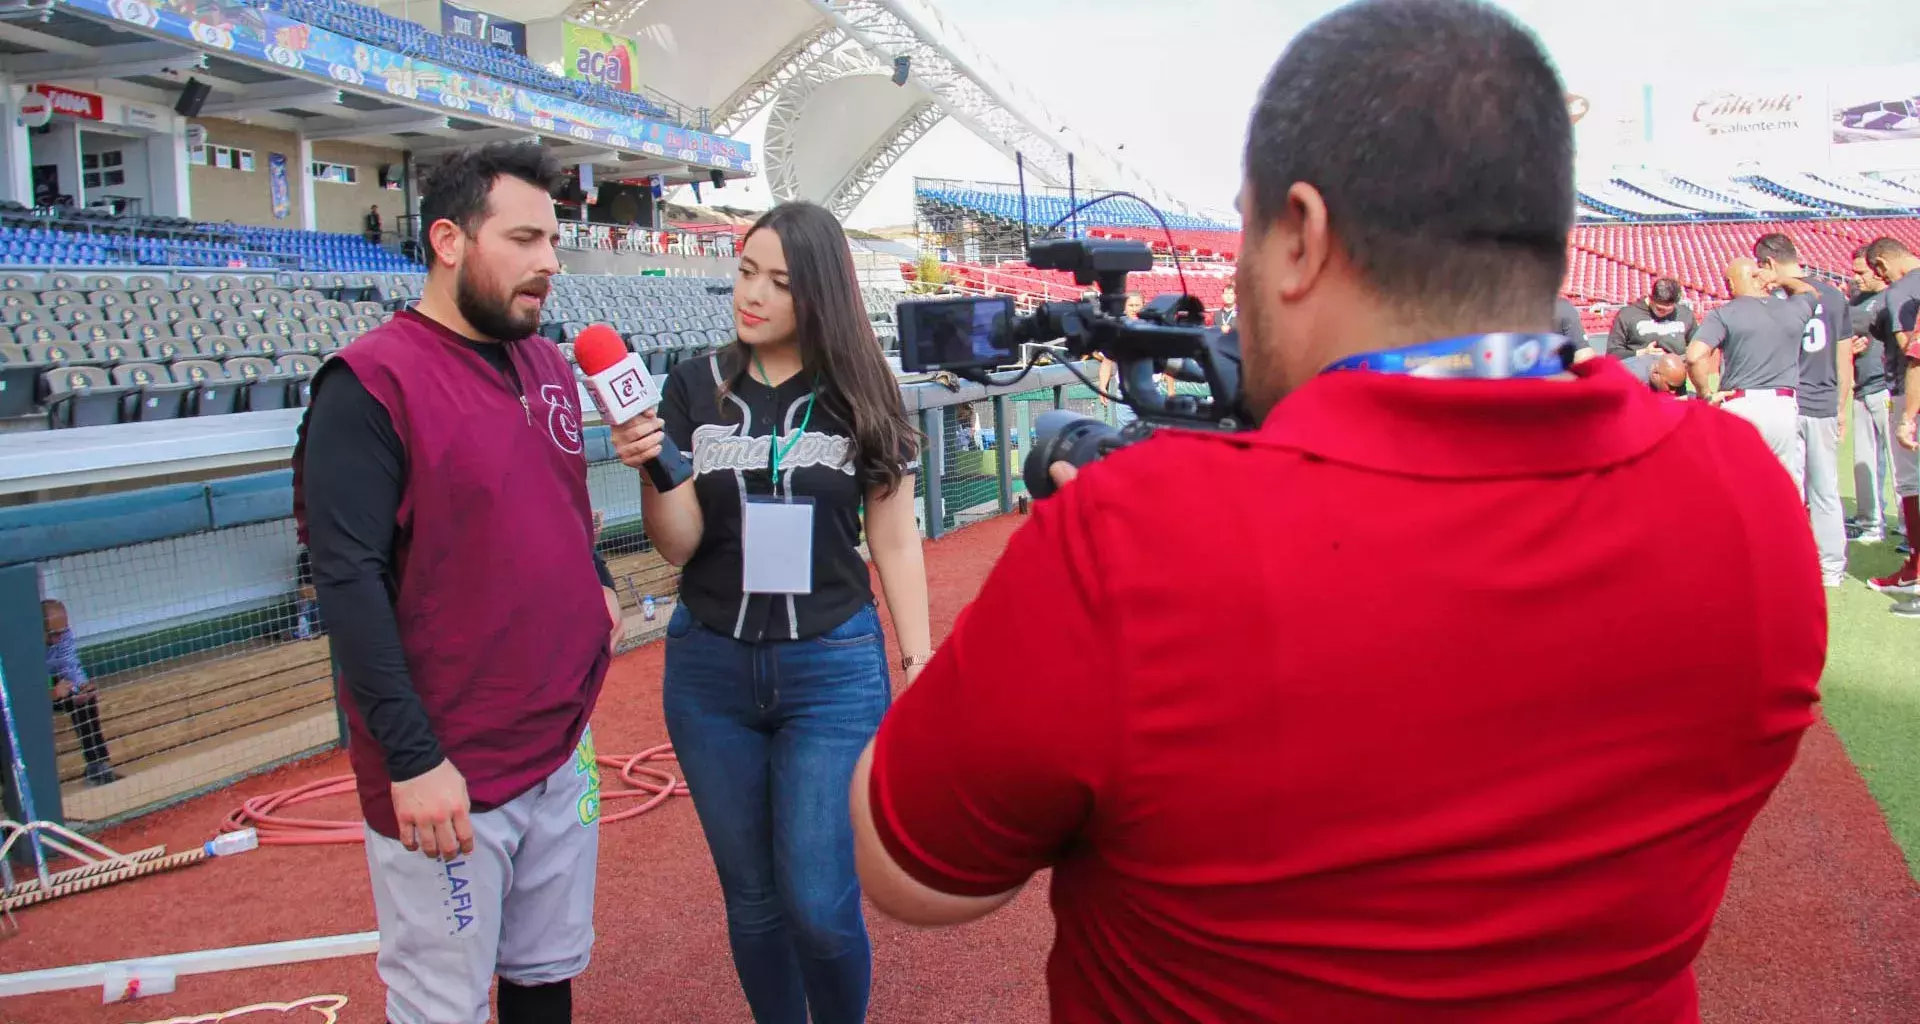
<point>1871,691</point>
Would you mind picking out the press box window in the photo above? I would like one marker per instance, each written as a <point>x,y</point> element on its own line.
<point>225,157</point>
<point>339,174</point>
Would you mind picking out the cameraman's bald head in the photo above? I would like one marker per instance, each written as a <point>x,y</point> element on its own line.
<point>1409,159</point>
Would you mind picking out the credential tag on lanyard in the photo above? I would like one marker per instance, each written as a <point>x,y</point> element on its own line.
<point>1481,356</point>
<point>776,545</point>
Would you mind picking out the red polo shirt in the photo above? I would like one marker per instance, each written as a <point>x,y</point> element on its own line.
<point>1431,701</point>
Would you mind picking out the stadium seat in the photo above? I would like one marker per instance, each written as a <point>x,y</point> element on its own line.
<point>82,396</point>
<point>157,396</point>
<point>214,393</point>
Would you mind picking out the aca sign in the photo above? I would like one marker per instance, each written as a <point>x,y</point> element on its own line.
<point>599,57</point>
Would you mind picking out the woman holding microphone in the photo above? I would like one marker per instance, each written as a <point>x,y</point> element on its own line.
<point>777,672</point>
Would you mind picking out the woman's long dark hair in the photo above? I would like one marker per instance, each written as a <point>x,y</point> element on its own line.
<point>836,341</point>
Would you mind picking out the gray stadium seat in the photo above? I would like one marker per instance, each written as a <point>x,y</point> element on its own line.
<point>19,381</point>
<point>214,393</point>
<point>158,395</point>
<point>82,396</point>
<point>91,332</point>
<point>166,350</point>
<point>114,350</point>
<point>147,331</point>
<point>266,387</point>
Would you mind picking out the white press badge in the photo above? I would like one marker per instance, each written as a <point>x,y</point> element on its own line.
<point>776,545</point>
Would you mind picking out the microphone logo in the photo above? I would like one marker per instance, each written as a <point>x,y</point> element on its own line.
<point>628,386</point>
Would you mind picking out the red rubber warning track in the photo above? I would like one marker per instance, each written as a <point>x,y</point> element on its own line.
<point>1822,922</point>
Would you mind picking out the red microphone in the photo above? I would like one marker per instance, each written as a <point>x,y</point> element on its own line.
<point>621,387</point>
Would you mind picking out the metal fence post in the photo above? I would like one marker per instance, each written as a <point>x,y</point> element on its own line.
<point>1059,396</point>
<point>1023,432</point>
<point>1003,452</point>
<point>935,466</point>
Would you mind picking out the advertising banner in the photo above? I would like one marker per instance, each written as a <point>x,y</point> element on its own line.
<point>1609,123</point>
<point>73,103</point>
<point>277,185</point>
<point>482,27</point>
<point>1874,117</point>
<point>245,32</point>
<point>592,55</point>
<point>1774,120</point>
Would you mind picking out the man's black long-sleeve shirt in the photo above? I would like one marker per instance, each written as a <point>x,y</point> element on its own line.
<point>354,478</point>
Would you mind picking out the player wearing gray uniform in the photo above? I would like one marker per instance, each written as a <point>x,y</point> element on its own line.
<point>1872,400</point>
<point>1899,322</point>
<point>1758,338</point>
<point>1822,395</point>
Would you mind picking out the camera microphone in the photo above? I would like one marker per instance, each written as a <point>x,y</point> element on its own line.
<point>621,387</point>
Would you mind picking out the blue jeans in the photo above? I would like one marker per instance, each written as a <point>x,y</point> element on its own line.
<point>768,735</point>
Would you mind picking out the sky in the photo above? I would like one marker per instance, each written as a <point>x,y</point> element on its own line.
<point>1173,81</point>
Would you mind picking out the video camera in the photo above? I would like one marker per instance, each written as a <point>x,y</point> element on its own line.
<point>970,336</point>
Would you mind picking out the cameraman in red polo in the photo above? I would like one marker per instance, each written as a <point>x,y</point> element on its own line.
<point>1365,755</point>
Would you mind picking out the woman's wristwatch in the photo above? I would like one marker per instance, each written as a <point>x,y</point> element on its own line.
<point>908,662</point>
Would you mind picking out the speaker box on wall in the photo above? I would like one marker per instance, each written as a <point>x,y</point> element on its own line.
<point>192,98</point>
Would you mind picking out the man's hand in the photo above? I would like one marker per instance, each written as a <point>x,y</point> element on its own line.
<point>432,812</point>
<point>1906,434</point>
<point>619,619</point>
<point>1651,350</point>
<point>1062,473</point>
<point>1717,397</point>
<point>62,689</point>
<point>637,441</point>
<point>1859,344</point>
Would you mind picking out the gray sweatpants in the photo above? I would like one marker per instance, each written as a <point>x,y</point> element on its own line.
<point>1906,464</point>
<point>1873,445</point>
<point>1819,448</point>
<point>1777,417</point>
<point>520,906</point>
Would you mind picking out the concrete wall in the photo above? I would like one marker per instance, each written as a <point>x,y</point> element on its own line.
<point>342,208</point>
<point>247,198</point>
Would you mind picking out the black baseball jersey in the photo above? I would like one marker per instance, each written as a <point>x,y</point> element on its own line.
<point>1870,366</point>
<point>1828,328</point>
<point>1900,314</point>
<point>730,442</point>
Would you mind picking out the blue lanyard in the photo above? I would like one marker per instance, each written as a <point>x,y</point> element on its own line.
<point>1479,356</point>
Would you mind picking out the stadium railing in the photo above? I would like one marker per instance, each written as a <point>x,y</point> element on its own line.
<point>187,601</point>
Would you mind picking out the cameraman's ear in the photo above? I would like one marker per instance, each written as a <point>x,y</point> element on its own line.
<point>1298,245</point>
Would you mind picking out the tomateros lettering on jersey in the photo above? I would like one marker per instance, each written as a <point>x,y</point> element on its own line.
<point>719,448</point>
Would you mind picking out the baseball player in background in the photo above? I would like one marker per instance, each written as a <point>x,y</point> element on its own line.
<point>1873,391</point>
<point>1823,394</point>
<point>1899,320</point>
<point>1758,338</point>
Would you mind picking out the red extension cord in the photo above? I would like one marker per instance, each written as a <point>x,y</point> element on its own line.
<point>651,786</point>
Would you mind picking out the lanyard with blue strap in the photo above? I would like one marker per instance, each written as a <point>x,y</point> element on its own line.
<point>1471,356</point>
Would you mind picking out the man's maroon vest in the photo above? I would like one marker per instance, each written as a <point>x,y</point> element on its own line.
<point>499,605</point>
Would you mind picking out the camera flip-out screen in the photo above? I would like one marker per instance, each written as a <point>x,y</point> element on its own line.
<point>957,334</point>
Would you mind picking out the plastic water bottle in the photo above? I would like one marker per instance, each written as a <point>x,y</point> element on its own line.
<point>227,844</point>
<point>646,608</point>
